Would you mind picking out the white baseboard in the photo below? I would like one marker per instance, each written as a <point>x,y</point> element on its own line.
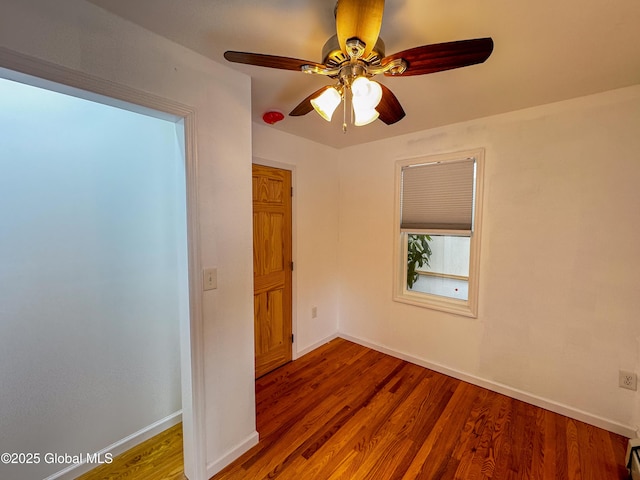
<point>310,348</point>
<point>121,446</point>
<point>252,440</point>
<point>233,454</point>
<point>527,397</point>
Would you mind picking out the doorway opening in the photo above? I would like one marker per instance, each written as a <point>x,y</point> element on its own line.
<point>97,315</point>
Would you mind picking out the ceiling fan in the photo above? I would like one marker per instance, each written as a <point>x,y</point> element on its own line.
<point>356,54</point>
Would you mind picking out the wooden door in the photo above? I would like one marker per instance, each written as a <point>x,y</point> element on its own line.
<point>271,267</point>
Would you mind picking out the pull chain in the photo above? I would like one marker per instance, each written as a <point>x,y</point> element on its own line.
<point>344,111</point>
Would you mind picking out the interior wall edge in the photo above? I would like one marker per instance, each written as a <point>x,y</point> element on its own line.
<point>233,454</point>
<point>103,90</point>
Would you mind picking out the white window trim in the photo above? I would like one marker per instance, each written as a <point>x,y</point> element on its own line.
<point>468,307</point>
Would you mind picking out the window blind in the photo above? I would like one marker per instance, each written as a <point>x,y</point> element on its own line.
<point>438,195</point>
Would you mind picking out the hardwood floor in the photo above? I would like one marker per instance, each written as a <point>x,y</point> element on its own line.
<point>347,412</point>
<point>159,458</point>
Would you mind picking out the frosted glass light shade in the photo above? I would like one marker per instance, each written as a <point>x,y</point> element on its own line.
<point>366,97</point>
<point>364,116</point>
<point>326,103</point>
<point>367,90</point>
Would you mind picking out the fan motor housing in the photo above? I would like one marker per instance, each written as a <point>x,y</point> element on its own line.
<point>333,55</point>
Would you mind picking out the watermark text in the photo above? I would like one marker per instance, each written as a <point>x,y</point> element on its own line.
<point>33,458</point>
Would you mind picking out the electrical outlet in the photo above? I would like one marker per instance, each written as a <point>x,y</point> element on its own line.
<point>628,380</point>
<point>314,312</point>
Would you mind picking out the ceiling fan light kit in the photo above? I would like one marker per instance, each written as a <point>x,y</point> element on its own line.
<point>365,96</point>
<point>356,54</point>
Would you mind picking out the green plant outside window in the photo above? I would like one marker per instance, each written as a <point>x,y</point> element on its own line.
<point>418,255</point>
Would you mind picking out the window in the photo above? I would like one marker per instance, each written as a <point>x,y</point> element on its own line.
<point>438,231</point>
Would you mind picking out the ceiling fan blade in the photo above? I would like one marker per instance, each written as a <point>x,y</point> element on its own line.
<point>442,56</point>
<point>305,106</point>
<point>389,107</point>
<point>361,19</point>
<point>271,61</point>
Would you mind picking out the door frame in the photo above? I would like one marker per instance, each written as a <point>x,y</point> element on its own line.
<point>40,73</point>
<point>294,243</point>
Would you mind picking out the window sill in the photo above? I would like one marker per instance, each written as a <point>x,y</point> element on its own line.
<point>435,302</point>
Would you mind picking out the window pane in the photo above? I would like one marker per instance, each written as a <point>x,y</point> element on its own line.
<point>438,265</point>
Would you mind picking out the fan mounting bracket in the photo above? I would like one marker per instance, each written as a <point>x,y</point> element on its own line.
<point>397,66</point>
<point>394,67</point>
<point>328,71</point>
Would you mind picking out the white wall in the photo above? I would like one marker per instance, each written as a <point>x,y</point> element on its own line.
<point>559,254</point>
<point>78,35</point>
<point>90,242</point>
<point>315,234</point>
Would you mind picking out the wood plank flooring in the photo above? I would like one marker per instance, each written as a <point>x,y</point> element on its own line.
<point>159,458</point>
<point>348,412</point>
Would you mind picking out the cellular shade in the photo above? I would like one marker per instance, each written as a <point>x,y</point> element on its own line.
<point>438,195</point>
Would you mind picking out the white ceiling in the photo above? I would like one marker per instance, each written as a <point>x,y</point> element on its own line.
<point>545,51</point>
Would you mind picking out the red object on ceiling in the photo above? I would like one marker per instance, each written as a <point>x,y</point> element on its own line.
<point>272,117</point>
